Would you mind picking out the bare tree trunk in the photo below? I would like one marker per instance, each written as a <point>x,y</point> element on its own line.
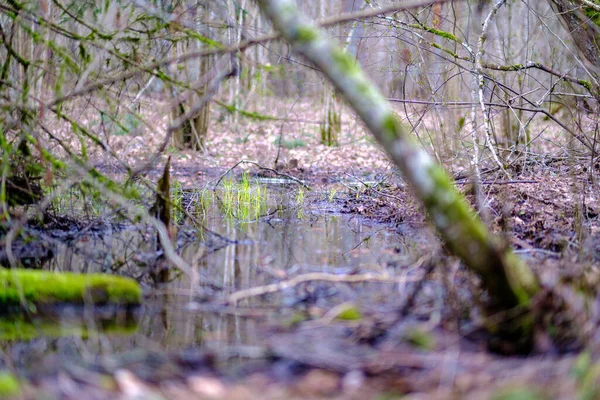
<point>192,135</point>
<point>332,118</point>
<point>200,122</point>
<point>580,18</point>
<point>509,282</point>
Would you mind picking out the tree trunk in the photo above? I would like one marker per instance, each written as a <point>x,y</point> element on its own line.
<point>192,134</point>
<point>332,118</point>
<point>201,121</point>
<point>509,282</point>
<point>579,21</point>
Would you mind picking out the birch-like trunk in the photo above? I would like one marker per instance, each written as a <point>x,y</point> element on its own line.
<point>509,282</point>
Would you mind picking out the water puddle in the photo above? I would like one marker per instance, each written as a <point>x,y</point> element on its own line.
<point>276,238</point>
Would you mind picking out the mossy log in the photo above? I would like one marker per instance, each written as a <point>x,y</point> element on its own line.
<point>32,288</point>
<point>509,282</point>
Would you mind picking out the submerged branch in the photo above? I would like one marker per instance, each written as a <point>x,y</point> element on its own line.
<point>316,276</point>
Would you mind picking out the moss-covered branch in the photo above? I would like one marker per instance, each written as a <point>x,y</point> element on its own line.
<point>509,282</point>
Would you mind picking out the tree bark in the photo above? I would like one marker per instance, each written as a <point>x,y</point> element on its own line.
<point>583,24</point>
<point>509,282</point>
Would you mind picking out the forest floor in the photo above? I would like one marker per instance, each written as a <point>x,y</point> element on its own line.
<point>420,348</point>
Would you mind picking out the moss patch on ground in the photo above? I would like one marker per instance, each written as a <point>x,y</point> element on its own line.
<point>32,287</point>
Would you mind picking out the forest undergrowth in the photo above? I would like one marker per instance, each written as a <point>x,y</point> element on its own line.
<point>429,345</point>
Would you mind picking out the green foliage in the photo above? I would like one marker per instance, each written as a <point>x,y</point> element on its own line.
<point>592,13</point>
<point>243,201</point>
<point>586,84</point>
<point>295,319</point>
<point>203,203</point>
<point>332,193</point>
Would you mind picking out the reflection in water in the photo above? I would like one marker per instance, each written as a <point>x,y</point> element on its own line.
<point>266,250</point>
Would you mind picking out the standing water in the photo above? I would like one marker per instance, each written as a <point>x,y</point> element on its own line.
<point>267,244</point>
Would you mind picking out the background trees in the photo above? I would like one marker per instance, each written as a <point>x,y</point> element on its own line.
<point>57,54</point>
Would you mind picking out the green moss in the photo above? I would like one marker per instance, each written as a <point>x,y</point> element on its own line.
<point>305,34</point>
<point>44,287</point>
<point>345,62</point>
<point>438,32</point>
<point>249,114</point>
<point>521,273</point>
<point>514,67</point>
<point>9,385</point>
<point>456,210</point>
<point>585,84</point>
<point>461,222</point>
<point>419,338</point>
<point>368,91</point>
<point>390,127</point>
<point>350,313</point>
<point>203,39</point>
<point>445,50</point>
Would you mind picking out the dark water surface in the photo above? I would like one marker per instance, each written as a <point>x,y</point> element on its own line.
<point>282,243</point>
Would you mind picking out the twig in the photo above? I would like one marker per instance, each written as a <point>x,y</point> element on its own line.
<point>316,276</point>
